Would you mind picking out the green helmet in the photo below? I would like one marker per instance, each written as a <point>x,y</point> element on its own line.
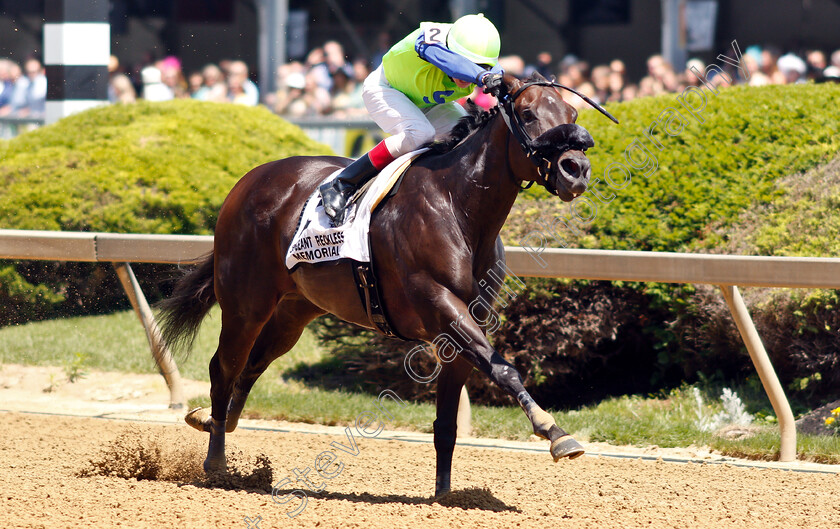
<point>476,38</point>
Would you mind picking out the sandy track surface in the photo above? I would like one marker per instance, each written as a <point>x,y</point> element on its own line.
<point>388,485</point>
<point>75,469</point>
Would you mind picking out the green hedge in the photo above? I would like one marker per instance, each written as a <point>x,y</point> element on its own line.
<point>710,172</point>
<point>802,221</point>
<point>138,168</point>
<point>760,176</point>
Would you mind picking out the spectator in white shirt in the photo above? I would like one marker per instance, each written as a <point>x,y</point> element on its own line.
<point>153,88</point>
<point>241,89</point>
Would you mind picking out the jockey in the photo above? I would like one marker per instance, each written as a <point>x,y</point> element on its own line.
<point>412,95</point>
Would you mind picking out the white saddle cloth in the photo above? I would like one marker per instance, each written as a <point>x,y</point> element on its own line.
<point>318,241</point>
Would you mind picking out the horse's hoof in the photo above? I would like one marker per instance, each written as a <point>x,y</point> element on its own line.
<point>566,446</point>
<point>217,464</point>
<point>199,418</point>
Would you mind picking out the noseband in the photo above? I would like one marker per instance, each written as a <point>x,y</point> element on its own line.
<point>553,142</point>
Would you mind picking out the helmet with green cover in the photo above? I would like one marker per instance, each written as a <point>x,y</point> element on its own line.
<point>475,38</point>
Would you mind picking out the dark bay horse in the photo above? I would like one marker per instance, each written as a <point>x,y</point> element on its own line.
<point>434,244</point>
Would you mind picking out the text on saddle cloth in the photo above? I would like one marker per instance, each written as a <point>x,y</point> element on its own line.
<point>318,241</point>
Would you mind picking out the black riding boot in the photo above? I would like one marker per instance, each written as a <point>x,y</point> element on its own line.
<point>335,194</point>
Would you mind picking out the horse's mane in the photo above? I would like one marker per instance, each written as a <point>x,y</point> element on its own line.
<point>475,119</point>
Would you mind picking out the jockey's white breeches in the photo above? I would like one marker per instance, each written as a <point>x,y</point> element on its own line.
<point>410,127</point>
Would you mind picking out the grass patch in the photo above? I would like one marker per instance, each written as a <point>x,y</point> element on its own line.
<point>668,421</point>
<point>275,398</point>
<point>765,445</point>
<point>633,420</point>
<point>116,342</point>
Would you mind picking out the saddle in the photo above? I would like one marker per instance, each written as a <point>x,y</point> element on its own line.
<point>317,240</point>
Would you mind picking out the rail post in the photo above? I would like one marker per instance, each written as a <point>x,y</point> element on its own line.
<point>463,419</point>
<point>787,426</point>
<point>163,358</point>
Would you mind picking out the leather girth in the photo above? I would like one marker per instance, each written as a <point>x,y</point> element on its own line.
<point>368,288</point>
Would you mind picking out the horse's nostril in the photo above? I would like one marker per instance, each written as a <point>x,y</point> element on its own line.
<point>570,167</point>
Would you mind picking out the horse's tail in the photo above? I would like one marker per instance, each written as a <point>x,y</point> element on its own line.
<point>181,313</point>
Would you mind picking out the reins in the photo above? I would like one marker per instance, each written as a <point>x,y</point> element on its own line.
<point>517,127</point>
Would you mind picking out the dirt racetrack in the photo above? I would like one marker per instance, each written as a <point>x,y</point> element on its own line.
<point>387,485</point>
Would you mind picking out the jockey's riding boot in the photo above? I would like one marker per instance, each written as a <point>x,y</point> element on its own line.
<point>337,193</point>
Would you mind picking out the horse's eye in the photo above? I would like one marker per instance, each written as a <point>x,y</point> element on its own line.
<point>528,115</point>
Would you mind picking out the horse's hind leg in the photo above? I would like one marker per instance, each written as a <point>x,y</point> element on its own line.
<point>235,341</point>
<point>277,337</point>
<point>247,295</point>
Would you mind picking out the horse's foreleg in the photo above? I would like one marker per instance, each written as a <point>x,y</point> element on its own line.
<point>562,445</point>
<point>451,380</point>
<point>505,376</point>
<point>450,312</point>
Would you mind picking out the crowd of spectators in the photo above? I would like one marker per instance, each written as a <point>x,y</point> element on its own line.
<point>165,79</point>
<point>608,82</point>
<point>23,91</point>
<point>326,83</point>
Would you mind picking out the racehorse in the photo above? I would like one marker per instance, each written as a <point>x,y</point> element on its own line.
<point>433,245</point>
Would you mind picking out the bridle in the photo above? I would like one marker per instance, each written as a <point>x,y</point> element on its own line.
<point>517,128</point>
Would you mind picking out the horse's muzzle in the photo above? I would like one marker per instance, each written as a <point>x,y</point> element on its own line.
<point>575,171</point>
<point>565,147</point>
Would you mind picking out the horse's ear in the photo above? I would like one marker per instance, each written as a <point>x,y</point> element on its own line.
<point>537,76</point>
<point>512,83</point>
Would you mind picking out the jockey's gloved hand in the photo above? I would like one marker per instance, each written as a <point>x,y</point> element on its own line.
<point>492,83</point>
